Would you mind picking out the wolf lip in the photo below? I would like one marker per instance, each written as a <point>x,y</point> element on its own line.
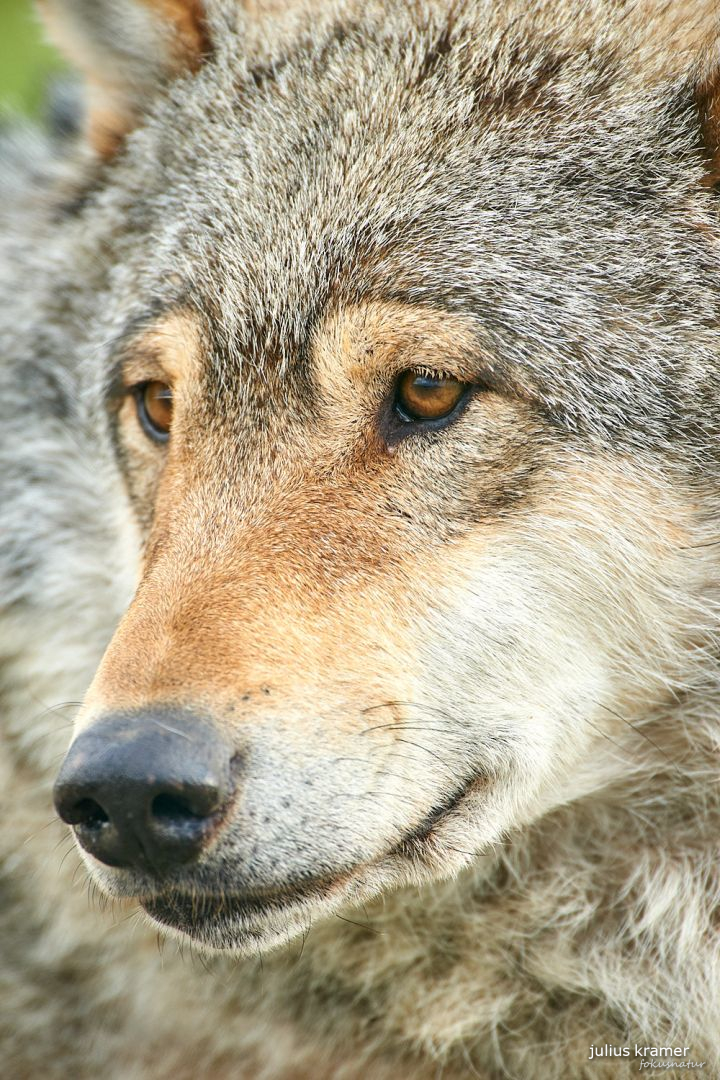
<point>441,812</point>
<point>187,912</point>
<point>191,912</point>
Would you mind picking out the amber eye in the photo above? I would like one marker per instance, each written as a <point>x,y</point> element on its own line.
<point>155,409</point>
<point>427,397</point>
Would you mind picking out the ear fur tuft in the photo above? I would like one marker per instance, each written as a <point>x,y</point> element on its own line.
<point>125,49</point>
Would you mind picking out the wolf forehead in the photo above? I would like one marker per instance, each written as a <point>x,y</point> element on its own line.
<point>532,182</point>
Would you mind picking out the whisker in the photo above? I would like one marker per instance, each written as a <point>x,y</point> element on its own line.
<point>432,753</point>
<point>62,861</point>
<point>639,731</point>
<point>363,926</point>
<point>45,734</point>
<point>298,958</point>
<point>618,746</point>
<point>42,829</point>
<point>79,867</point>
<point>134,914</point>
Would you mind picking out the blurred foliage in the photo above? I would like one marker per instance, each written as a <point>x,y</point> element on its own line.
<point>27,62</point>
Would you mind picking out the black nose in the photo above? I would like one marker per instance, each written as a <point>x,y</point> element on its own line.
<point>146,790</point>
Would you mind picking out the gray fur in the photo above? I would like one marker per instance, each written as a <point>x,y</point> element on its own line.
<point>540,169</point>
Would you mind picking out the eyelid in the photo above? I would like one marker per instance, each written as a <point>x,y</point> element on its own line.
<point>165,394</point>
<point>434,373</point>
<point>459,368</point>
<point>137,376</point>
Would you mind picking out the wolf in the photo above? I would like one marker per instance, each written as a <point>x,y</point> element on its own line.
<point>359,560</point>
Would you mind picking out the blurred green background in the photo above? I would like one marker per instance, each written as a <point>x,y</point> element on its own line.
<point>27,62</point>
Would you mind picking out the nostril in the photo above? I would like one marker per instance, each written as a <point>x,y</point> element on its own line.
<point>173,808</point>
<point>88,814</point>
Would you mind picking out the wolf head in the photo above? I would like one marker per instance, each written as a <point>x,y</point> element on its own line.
<point>401,321</point>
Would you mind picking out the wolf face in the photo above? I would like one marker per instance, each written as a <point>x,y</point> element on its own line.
<point>417,431</point>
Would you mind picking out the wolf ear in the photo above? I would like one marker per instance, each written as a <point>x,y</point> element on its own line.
<point>125,49</point>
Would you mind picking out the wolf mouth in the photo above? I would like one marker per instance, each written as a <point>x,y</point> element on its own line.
<point>440,813</point>
<point>193,913</point>
<point>190,913</point>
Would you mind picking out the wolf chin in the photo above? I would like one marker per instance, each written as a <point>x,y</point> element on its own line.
<point>360,397</point>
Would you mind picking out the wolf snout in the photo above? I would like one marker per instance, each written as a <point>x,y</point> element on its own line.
<point>146,791</point>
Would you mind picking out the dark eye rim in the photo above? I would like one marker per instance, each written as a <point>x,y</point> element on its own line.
<point>150,429</point>
<point>425,423</point>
